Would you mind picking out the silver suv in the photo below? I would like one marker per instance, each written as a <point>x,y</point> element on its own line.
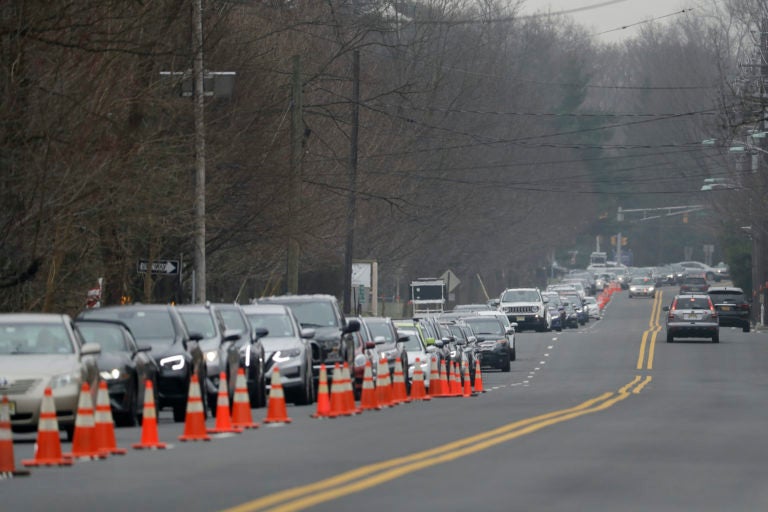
<point>526,307</point>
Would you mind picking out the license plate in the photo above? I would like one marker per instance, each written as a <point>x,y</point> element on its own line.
<point>690,316</point>
<point>520,319</point>
<point>725,308</point>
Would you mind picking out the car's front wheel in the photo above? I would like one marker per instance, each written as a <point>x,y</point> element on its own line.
<point>507,365</point>
<point>746,327</point>
<point>716,338</point>
<point>670,338</point>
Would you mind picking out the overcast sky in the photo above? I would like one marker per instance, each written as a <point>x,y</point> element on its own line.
<point>609,15</point>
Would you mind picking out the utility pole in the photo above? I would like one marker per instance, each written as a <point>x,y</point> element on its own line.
<point>199,100</point>
<point>352,195</point>
<point>294,192</point>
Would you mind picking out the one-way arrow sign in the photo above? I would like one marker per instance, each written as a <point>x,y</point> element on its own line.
<point>166,267</point>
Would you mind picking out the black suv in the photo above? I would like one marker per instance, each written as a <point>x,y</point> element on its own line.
<point>732,306</point>
<point>333,342</point>
<point>177,351</point>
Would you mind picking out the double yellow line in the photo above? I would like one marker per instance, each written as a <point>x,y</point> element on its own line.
<point>654,326</point>
<point>356,480</point>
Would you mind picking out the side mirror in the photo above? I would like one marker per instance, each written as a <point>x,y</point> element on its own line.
<point>307,333</point>
<point>260,333</point>
<point>461,342</point>
<point>665,308</point>
<point>230,335</point>
<point>195,336</point>
<point>379,340</point>
<point>513,325</point>
<point>546,300</point>
<point>144,348</point>
<point>509,330</point>
<point>352,326</point>
<point>480,339</point>
<point>439,343</point>
<point>369,345</point>
<point>402,338</point>
<point>90,349</point>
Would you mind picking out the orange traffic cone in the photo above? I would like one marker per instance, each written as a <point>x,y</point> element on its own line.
<point>434,378</point>
<point>467,382</point>
<point>418,391</point>
<point>399,390</point>
<point>48,446</point>
<point>223,419</point>
<point>241,405</point>
<point>323,400</point>
<point>194,421</point>
<point>149,437</point>
<point>349,394</point>
<point>445,384</point>
<point>478,378</point>
<point>84,443</point>
<point>105,424</point>
<point>383,386</point>
<point>455,380</point>
<point>338,405</point>
<point>368,400</point>
<point>7,461</point>
<point>276,409</point>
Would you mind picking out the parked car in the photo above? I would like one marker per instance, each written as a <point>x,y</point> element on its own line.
<point>526,307</point>
<point>571,316</point>
<point>464,345</point>
<point>287,345</point>
<point>509,327</point>
<point>123,365</point>
<point>333,341</point>
<point>44,350</point>
<point>692,316</point>
<point>699,267</point>
<point>593,308</point>
<point>218,345</point>
<point>365,352</point>
<point>694,283</point>
<point>251,350</point>
<point>493,344</point>
<point>732,306</point>
<point>642,287</point>
<point>556,310</point>
<point>418,353</point>
<point>575,300</point>
<point>389,344</point>
<point>176,350</point>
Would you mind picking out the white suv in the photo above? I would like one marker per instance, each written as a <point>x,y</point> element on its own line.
<point>526,307</point>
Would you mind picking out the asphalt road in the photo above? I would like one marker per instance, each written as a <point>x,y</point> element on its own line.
<point>607,417</point>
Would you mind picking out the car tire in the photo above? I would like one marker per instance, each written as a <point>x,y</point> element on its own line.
<point>507,366</point>
<point>303,396</point>
<point>716,338</point>
<point>670,338</point>
<point>513,355</point>
<point>179,413</point>
<point>746,328</point>
<point>130,417</point>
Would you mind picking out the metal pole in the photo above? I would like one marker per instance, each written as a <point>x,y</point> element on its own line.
<point>199,101</point>
<point>352,195</point>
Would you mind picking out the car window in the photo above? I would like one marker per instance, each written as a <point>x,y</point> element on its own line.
<point>694,280</point>
<point>152,326</point>
<point>110,337</point>
<point>727,296</point>
<point>692,303</point>
<point>520,296</point>
<point>486,326</point>
<point>412,344</point>
<point>199,322</point>
<point>314,314</point>
<point>34,338</point>
<point>233,319</point>
<point>276,324</point>
<point>381,329</point>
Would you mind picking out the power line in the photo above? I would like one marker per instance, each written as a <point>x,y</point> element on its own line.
<point>624,27</point>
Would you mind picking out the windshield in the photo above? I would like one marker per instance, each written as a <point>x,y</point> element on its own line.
<point>520,296</point>
<point>314,314</point>
<point>691,303</point>
<point>34,338</point>
<point>639,280</point>
<point>110,337</point>
<point>153,326</point>
<point>278,325</point>
<point>722,297</point>
<point>381,329</point>
<point>486,326</point>
<point>233,320</point>
<point>200,322</point>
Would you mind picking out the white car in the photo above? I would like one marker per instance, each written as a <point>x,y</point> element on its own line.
<point>593,308</point>
<point>709,272</point>
<point>642,287</point>
<point>417,349</point>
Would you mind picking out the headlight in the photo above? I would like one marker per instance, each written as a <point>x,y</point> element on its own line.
<point>65,379</point>
<point>174,362</point>
<point>535,309</point>
<point>212,356</point>
<point>453,354</point>
<point>113,374</point>
<point>284,355</point>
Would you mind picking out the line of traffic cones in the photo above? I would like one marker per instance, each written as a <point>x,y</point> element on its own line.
<point>84,445</point>
<point>7,460</point>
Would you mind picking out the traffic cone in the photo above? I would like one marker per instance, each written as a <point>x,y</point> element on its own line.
<point>467,382</point>
<point>323,399</point>
<point>368,400</point>
<point>445,383</point>
<point>418,391</point>
<point>48,446</point>
<point>383,386</point>
<point>241,405</point>
<point>399,390</point>
<point>349,394</point>
<point>434,378</point>
<point>84,443</point>
<point>194,420</point>
<point>149,437</point>
<point>7,461</point>
<point>105,424</point>
<point>478,378</point>
<point>455,381</point>
<point>338,406</point>
<point>276,410</point>
<point>223,419</point>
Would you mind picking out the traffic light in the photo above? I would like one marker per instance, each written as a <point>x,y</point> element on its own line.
<point>613,240</point>
<point>623,241</point>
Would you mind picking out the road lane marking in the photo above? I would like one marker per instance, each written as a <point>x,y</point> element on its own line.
<point>649,335</point>
<point>640,386</point>
<point>365,477</point>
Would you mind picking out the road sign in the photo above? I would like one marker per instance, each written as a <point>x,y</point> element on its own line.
<point>451,281</point>
<point>165,267</point>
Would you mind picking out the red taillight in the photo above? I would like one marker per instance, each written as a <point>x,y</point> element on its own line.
<point>745,307</point>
